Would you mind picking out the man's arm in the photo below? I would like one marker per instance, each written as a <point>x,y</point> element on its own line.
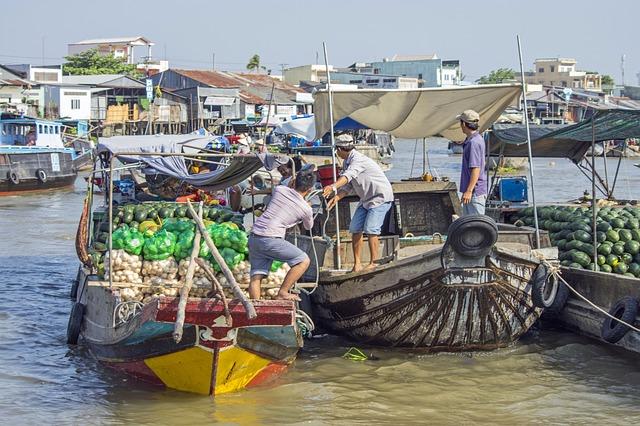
<point>468,193</point>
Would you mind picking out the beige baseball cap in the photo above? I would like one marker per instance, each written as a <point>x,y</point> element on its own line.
<point>469,116</point>
<point>344,140</point>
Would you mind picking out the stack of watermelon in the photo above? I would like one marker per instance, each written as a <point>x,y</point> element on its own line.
<point>570,229</point>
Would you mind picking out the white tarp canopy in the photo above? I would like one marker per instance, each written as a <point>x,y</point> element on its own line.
<point>303,127</point>
<point>415,113</point>
<point>219,101</point>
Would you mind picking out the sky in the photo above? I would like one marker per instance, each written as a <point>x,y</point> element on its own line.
<point>481,34</point>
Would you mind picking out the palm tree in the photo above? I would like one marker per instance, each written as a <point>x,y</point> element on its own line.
<point>254,63</point>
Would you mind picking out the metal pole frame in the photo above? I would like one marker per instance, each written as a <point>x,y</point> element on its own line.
<point>338,261</point>
<point>526,122</point>
<point>111,161</point>
<point>594,204</point>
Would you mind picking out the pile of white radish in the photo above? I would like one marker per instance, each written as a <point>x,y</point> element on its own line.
<point>126,267</point>
<point>166,269</point>
<point>164,278</point>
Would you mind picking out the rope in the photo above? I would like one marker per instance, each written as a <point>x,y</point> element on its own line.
<point>305,323</point>
<point>555,271</point>
<point>355,354</point>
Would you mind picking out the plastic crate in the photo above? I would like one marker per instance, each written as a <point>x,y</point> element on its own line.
<point>303,242</point>
<point>514,189</point>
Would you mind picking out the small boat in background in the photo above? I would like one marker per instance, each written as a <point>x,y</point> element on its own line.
<point>34,157</point>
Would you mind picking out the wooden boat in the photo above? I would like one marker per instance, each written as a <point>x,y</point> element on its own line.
<point>604,290</point>
<point>33,157</point>
<point>417,302</point>
<point>212,357</point>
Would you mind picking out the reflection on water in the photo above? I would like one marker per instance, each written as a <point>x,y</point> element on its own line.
<point>548,377</point>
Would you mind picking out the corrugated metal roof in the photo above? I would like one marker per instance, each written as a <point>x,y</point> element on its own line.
<point>133,39</point>
<point>254,88</point>
<point>105,80</point>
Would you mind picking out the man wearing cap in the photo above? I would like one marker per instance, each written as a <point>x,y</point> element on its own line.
<point>473,177</point>
<point>364,177</point>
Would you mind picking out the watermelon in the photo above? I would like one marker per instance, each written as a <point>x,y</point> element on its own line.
<point>625,235</point>
<point>603,227</point>
<point>612,260</point>
<point>617,249</point>
<point>617,223</point>
<point>565,262</point>
<point>604,249</point>
<point>635,234</point>
<point>634,268</point>
<point>613,236</point>
<point>632,247</point>
<point>626,258</point>
<point>620,268</point>
<point>582,258</point>
<point>606,268</point>
<point>583,236</point>
<point>601,236</point>
<point>601,260</point>
<point>575,265</point>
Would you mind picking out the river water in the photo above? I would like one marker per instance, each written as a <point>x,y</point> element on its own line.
<point>547,377</point>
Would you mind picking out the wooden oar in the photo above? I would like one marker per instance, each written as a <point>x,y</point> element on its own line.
<point>248,306</point>
<point>188,282</point>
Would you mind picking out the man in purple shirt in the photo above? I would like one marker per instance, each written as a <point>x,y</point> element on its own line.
<point>266,242</point>
<point>473,177</point>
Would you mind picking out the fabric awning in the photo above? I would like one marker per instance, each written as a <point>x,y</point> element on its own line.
<point>415,113</point>
<point>239,168</point>
<point>560,141</point>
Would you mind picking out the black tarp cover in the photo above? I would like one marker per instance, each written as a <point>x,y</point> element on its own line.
<point>560,141</point>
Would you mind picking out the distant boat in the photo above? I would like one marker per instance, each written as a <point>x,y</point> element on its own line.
<point>33,156</point>
<point>455,148</point>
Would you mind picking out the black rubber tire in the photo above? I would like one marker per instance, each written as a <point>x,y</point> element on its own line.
<point>13,177</point>
<point>41,175</point>
<point>75,323</point>
<point>542,295</point>
<point>74,285</point>
<point>625,309</point>
<point>473,235</point>
<point>560,300</point>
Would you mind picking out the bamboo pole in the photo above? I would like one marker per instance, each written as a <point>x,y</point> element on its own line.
<point>248,306</point>
<point>529,155</point>
<point>216,287</point>
<point>178,327</point>
<point>111,161</point>
<point>594,205</point>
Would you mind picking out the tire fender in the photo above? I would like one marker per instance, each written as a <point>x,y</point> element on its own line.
<point>13,177</point>
<point>41,175</point>
<point>625,309</point>
<point>75,323</point>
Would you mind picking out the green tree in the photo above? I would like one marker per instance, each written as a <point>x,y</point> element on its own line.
<point>497,76</point>
<point>91,62</point>
<point>607,80</point>
<point>254,63</point>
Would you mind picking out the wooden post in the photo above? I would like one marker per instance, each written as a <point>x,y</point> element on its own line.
<point>217,288</point>
<point>251,311</point>
<point>188,282</point>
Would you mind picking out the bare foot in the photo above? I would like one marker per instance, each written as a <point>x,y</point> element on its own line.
<point>370,267</point>
<point>287,296</point>
<point>356,268</point>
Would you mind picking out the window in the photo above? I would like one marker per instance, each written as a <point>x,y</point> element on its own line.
<point>45,76</point>
<point>57,129</point>
<point>541,70</point>
<point>419,76</point>
<point>75,103</point>
<point>564,83</point>
<point>40,128</point>
<point>551,83</point>
<point>46,130</point>
<point>355,81</point>
<point>376,81</point>
<point>388,80</point>
<point>552,68</point>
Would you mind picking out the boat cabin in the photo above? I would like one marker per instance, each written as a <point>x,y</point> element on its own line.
<point>31,132</point>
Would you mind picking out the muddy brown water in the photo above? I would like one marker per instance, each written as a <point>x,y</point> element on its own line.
<point>547,377</point>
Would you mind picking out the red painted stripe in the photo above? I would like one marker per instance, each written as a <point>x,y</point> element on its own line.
<point>269,373</point>
<point>137,369</point>
<point>205,311</point>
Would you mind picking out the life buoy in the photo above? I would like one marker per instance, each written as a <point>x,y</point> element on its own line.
<point>41,175</point>
<point>75,323</point>
<point>626,309</point>
<point>13,177</point>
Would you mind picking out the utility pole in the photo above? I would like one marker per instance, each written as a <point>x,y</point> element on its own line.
<point>43,50</point>
<point>213,61</point>
<point>282,70</point>
<point>622,66</point>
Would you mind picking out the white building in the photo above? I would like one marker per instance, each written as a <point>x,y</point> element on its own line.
<point>73,102</point>
<point>313,72</point>
<point>119,47</point>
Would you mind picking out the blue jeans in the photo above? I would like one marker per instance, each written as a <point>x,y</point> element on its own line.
<point>475,206</point>
<point>369,221</point>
